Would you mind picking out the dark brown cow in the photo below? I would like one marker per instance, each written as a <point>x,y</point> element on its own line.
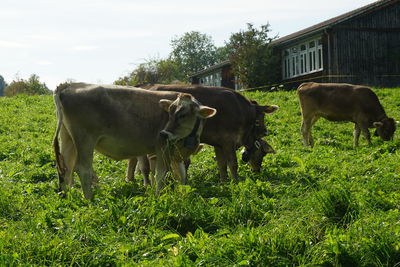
<point>239,122</point>
<point>343,102</point>
<point>255,155</point>
<point>121,123</point>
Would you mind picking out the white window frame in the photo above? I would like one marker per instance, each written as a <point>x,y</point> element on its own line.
<point>303,58</point>
<point>212,79</point>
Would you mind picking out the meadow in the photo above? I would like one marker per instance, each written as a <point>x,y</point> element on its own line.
<point>331,205</point>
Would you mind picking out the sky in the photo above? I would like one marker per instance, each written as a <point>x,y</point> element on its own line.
<point>98,41</point>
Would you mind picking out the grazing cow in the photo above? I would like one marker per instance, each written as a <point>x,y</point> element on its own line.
<point>255,155</point>
<point>121,123</point>
<point>343,102</point>
<point>239,122</point>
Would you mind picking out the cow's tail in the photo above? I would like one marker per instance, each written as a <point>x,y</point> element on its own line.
<point>61,169</point>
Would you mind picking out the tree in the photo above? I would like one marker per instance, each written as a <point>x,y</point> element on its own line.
<point>153,71</point>
<point>32,86</point>
<point>36,87</point>
<point>3,84</point>
<point>252,57</point>
<point>193,52</point>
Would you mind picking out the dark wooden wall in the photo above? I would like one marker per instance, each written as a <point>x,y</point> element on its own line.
<point>368,48</point>
<point>228,79</point>
<point>363,50</point>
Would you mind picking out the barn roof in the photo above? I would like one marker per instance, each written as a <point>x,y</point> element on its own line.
<point>331,22</point>
<point>212,68</point>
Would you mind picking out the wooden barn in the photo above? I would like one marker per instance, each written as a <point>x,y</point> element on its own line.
<point>360,47</point>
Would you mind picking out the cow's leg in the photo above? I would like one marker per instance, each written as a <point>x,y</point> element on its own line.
<point>152,164</point>
<point>130,170</point>
<point>232,162</point>
<point>144,167</point>
<point>161,171</point>
<point>356,134</point>
<point>306,130</point>
<point>222,163</point>
<point>306,125</point>
<point>179,171</point>
<point>366,133</point>
<point>310,138</point>
<point>68,152</point>
<point>84,167</point>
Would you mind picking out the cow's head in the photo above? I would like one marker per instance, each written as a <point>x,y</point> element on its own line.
<point>254,154</point>
<point>260,129</point>
<point>385,128</point>
<point>185,114</point>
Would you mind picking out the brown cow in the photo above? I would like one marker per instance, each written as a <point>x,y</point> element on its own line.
<point>121,123</point>
<point>239,122</point>
<point>343,102</point>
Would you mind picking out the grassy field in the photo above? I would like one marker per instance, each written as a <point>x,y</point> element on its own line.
<point>331,205</point>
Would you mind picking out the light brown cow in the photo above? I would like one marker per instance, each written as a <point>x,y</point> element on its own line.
<point>343,102</point>
<point>121,123</point>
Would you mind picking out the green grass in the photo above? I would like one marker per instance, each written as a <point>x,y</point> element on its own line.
<point>331,205</point>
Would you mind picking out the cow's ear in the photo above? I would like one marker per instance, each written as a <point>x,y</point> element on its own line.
<point>267,148</point>
<point>199,147</point>
<point>165,104</point>
<point>206,112</point>
<point>377,124</point>
<point>268,108</point>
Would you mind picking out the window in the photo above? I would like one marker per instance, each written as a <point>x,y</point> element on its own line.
<point>303,58</point>
<point>212,79</point>
<point>320,56</point>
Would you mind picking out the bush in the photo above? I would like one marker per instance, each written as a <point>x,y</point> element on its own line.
<point>32,86</point>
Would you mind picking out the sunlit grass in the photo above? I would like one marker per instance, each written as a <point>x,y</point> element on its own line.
<point>331,205</point>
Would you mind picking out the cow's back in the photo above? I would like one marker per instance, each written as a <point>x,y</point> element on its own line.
<point>338,101</point>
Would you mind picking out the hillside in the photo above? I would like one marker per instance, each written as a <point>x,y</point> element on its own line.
<point>331,205</point>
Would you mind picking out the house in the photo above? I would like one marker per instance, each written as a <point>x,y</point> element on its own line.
<point>217,75</point>
<point>360,47</point>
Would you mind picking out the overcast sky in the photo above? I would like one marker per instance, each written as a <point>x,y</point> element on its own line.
<point>97,41</point>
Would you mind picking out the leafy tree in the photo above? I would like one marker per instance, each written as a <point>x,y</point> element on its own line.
<point>221,54</point>
<point>253,58</point>
<point>193,52</point>
<point>153,71</point>
<point>3,84</point>
<point>32,86</point>
<point>36,87</point>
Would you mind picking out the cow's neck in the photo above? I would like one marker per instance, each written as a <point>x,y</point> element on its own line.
<point>191,141</point>
<point>249,138</point>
